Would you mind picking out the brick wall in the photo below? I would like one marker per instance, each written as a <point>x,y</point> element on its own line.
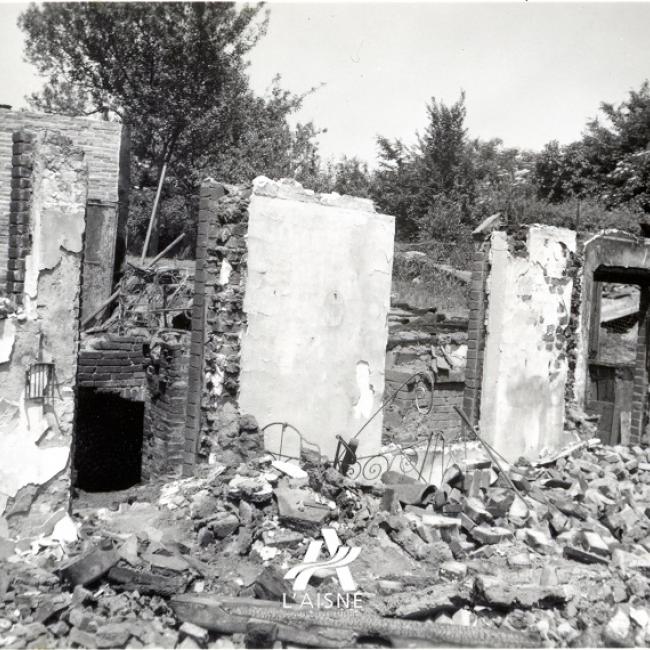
<point>476,330</point>
<point>21,191</point>
<point>165,408</point>
<point>101,142</point>
<point>217,318</point>
<point>640,390</point>
<point>402,421</point>
<point>443,417</point>
<point>197,337</point>
<point>113,364</point>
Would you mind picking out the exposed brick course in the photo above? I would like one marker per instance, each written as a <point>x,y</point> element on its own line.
<point>476,331</point>
<point>100,140</point>
<point>17,225</point>
<point>165,408</point>
<point>639,394</point>
<point>116,364</point>
<point>217,317</point>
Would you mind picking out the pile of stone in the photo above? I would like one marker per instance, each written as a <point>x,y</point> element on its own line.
<point>552,553</point>
<point>562,544</point>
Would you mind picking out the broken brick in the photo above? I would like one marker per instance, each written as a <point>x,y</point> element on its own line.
<point>578,554</point>
<point>593,543</point>
<point>491,534</point>
<point>475,510</point>
<point>453,569</point>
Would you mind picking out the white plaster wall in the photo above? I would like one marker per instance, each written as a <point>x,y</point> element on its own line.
<point>24,461</point>
<point>317,300</point>
<point>57,215</point>
<point>525,367</point>
<point>35,435</point>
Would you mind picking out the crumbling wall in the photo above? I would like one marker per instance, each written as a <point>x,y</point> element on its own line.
<point>419,410</point>
<point>99,256</point>
<point>628,257</point>
<point>105,145</point>
<point>476,328</point>
<point>292,294</point>
<point>212,415</point>
<point>164,420</point>
<point>525,363</point>
<point>35,434</point>
<point>21,193</point>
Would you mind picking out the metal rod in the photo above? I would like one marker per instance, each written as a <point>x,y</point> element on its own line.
<point>101,307</point>
<point>152,218</point>
<point>426,453</point>
<point>493,457</point>
<point>433,455</point>
<point>392,398</point>
<point>165,250</point>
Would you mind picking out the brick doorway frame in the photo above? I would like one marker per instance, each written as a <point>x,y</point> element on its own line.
<point>621,258</point>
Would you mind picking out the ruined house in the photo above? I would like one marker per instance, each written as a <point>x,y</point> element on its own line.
<point>97,407</point>
<point>278,331</point>
<point>534,328</point>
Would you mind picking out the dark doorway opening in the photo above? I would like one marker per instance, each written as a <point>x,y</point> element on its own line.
<point>108,441</point>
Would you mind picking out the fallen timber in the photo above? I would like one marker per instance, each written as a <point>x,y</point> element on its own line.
<point>325,626</point>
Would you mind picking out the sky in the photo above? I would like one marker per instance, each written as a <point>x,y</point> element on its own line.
<point>531,72</point>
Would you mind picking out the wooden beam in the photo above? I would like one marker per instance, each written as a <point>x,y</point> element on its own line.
<point>229,615</point>
<point>165,250</point>
<point>152,218</point>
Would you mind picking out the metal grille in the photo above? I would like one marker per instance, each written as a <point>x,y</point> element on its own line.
<point>39,381</point>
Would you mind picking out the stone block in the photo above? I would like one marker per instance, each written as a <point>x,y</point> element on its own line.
<point>491,534</point>
<point>89,567</point>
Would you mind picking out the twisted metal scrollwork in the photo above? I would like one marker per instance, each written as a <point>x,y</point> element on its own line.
<point>279,453</point>
<point>372,467</point>
<point>408,460</point>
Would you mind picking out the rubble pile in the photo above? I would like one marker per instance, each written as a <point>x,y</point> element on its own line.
<point>551,553</point>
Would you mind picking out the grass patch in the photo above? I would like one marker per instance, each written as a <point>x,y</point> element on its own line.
<point>417,282</point>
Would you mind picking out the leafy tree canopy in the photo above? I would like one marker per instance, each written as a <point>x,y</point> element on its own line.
<point>176,74</point>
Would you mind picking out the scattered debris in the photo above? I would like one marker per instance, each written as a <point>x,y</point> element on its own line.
<point>445,564</point>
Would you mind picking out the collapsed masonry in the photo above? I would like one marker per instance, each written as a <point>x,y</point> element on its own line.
<point>106,406</point>
<point>62,224</point>
<point>282,327</point>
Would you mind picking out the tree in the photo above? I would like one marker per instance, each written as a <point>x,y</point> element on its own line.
<point>176,74</point>
<point>445,170</point>
<point>443,148</point>
<point>563,173</point>
<point>169,70</point>
<point>351,176</point>
<point>429,187</point>
<point>395,186</point>
<point>618,151</point>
